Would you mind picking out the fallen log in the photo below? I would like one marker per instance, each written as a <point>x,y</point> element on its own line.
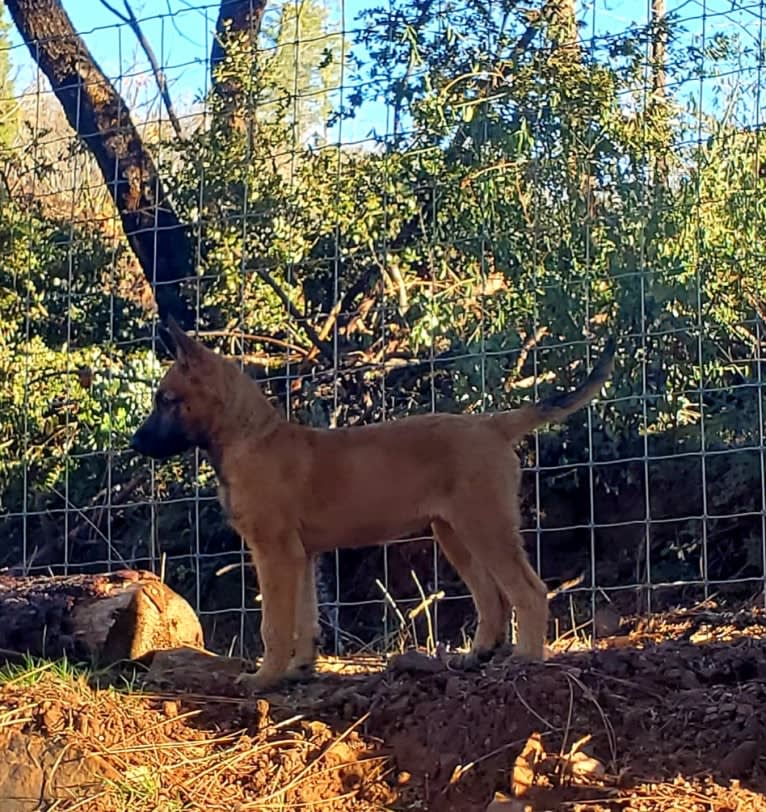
<point>98,618</point>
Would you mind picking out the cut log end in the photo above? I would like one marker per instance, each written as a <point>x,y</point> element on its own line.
<point>100,618</point>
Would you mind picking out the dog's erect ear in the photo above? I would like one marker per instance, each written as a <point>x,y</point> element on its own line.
<point>181,346</point>
<point>167,339</point>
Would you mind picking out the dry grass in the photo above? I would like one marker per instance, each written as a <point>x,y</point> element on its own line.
<point>158,754</point>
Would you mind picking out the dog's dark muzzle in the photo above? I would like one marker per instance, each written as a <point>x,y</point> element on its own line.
<point>141,443</point>
<point>160,439</point>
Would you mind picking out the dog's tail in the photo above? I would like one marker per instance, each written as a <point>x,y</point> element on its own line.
<point>556,408</point>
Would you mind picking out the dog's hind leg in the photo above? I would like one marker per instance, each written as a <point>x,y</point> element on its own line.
<point>523,587</point>
<point>307,630</point>
<point>281,568</point>
<point>529,595</point>
<point>492,608</point>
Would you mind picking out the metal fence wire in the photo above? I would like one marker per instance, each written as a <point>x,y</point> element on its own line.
<point>386,210</point>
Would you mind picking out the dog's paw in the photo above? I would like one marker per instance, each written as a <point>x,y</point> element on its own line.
<point>300,672</point>
<point>415,662</point>
<point>476,658</point>
<point>502,651</point>
<point>257,683</point>
<point>534,654</point>
<point>471,660</point>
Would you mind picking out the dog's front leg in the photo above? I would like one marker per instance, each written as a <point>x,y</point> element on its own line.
<point>281,567</point>
<point>307,630</point>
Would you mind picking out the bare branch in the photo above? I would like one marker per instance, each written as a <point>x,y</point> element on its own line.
<point>159,74</point>
<point>120,16</point>
<point>130,19</point>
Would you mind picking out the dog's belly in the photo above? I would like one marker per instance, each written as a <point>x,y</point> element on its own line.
<point>321,539</point>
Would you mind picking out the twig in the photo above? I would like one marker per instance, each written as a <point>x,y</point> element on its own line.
<point>462,769</point>
<point>324,331</point>
<point>88,521</point>
<point>388,598</point>
<point>588,694</point>
<point>566,586</point>
<point>130,19</point>
<point>529,344</point>
<point>525,40</point>
<point>117,498</point>
<point>333,768</point>
<point>159,74</point>
<point>469,179</point>
<point>425,606</point>
<point>325,348</point>
<point>531,710</point>
<point>263,339</point>
<point>567,728</point>
<point>394,276</point>
<point>114,11</point>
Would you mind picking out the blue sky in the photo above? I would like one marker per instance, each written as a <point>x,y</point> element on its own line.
<point>181,30</point>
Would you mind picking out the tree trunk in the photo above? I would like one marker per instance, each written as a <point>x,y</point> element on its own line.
<point>101,618</point>
<point>238,24</point>
<point>562,26</point>
<point>658,106</point>
<point>563,33</point>
<point>101,118</point>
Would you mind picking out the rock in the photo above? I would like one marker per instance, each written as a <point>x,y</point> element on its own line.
<point>504,803</point>
<point>740,761</point>
<point>417,662</point>
<point>581,765</point>
<point>194,670</point>
<point>155,618</point>
<point>38,772</point>
<point>526,764</point>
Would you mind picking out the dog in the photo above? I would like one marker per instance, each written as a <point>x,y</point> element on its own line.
<point>293,492</point>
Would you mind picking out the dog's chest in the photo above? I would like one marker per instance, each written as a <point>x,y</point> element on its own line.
<point>224,497</point>
<point>236,513</point>
<point>224,493</point>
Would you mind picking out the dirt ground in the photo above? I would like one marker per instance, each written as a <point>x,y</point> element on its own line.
<point>670,714</point>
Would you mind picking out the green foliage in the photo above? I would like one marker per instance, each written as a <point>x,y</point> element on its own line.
<point>69,391</point>
<point>516,211</point>
<point>300,66</point>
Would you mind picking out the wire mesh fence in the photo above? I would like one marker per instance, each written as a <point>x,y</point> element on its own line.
<point>419,206</point>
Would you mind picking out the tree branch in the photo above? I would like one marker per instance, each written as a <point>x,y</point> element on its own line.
<point>95,110</point>
<point>129,18</point>
<point>234,17</point>
<point>238,21</point>
<point>324,347</point>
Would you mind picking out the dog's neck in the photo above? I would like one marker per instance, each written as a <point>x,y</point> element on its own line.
<point>247,417</point>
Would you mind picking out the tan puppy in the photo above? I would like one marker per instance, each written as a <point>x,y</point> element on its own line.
<point>292,491</point>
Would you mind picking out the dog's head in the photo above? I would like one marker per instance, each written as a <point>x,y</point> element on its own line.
<point>188,399</point>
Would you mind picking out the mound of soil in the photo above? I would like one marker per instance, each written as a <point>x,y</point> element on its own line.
<point>641,723</point>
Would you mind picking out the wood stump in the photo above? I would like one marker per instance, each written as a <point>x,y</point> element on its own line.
<point>100,618</point>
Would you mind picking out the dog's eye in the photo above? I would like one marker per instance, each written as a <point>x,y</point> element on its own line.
<point>164,400</point>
